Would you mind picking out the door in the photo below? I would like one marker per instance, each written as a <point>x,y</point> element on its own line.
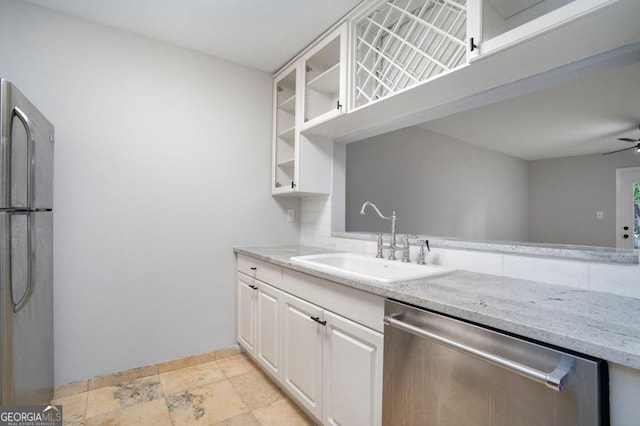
<point>302,352</point>
<point>268,326</point>
<point>442,371</point>
<point>27,308</point>
<point>27,153</point>
<point>26,279</point>
<point>285,135</point>
<point>628,208</point>
<point>32,323</point>
<point>247,302</point>
<point>325,77</point>
<point>352,366</point>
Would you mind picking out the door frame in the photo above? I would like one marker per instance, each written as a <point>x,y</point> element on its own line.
<point>619,198</point>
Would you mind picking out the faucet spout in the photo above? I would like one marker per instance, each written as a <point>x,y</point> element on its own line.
<point>392,243</point>
<point>369,203</point>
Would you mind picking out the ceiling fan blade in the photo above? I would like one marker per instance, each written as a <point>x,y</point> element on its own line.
<point>624,149</point>
<point>629,140</point>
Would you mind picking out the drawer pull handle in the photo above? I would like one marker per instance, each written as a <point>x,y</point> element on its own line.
<point>253,287</point>
<point>253,268</point>
<point>317,319</point>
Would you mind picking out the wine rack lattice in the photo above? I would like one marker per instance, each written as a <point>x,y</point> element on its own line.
<point>404,42</point>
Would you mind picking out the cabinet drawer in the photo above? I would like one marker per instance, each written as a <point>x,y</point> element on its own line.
<point>357,305</point>
<point>263,271</point>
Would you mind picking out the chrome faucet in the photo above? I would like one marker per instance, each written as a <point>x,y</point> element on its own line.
<point>392,243</point>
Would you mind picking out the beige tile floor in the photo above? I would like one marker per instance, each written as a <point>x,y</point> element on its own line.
<point>217,388</point>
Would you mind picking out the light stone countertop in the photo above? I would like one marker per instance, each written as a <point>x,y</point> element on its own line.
<point>602,325</point>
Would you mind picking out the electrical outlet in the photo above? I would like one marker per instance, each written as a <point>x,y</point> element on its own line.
<point>291,215</point>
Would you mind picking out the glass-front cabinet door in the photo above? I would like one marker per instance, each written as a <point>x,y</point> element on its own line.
<point>285,134</point>
<point>499,24</point>
<point>307,92</point>
<point>325,79</point>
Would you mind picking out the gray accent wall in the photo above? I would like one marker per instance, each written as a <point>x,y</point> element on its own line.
<point>445,187</point>
<point>565,195</point>
<point>438,186</point>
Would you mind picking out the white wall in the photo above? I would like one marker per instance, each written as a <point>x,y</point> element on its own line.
<point>438,185</point>
<point>162,165</point>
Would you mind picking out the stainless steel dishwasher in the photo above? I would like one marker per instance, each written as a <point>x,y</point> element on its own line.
<point>443,371</point>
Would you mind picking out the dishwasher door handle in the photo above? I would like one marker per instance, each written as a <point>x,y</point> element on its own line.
<point>554,380</point>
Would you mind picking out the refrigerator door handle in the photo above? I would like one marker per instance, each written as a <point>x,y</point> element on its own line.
<point>17,112</point>
<point>17,306</point>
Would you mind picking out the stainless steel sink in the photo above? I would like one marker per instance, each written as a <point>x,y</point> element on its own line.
<point>352,265</point>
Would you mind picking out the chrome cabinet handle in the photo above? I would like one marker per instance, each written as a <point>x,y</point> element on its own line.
<point>554,380</point>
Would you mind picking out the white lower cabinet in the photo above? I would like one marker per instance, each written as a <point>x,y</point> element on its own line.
<point>259,324</point>
<point>247,310</point>
<point>352,373</point>
<point>268,326</point>
<point>302,353</point>
<point>330,364</point>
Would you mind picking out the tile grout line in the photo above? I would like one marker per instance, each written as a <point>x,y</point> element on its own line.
<point>164,397</point>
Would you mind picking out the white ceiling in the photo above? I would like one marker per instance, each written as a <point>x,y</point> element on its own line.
<point>262,34</point>
<point>585,116</point>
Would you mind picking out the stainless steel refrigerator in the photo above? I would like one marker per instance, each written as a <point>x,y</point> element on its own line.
<point>26,251</point>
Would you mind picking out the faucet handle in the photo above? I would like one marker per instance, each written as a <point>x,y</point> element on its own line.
<point>405,248</point>
<point>380,245</point>
<point>421,254</point>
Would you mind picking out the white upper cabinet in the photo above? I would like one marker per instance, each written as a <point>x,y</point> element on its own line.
<point>309,91</point>
<point>404,62</point>
<point>402,43</point>
<point>500,24</point>
<point>285,134</point>
<point>325,79</point>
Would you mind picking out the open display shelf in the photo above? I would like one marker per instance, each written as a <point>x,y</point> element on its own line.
<point>395,63</point>
<point>285,130</point>
<point>323,72</point>
<point>288,104</point>
<point>327,81</point>
<point>288,134</point>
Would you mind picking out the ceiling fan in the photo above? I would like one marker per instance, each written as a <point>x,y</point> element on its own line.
<point>636,141</point>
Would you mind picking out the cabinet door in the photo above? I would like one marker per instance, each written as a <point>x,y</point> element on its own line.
<point>495,26</point>
<point>285,131</point>
<point>398,45</point>
<point>324,75</point>
<point>268,326</point>
<point>352,366</point>
<point>302,353</point>
<point>247,302</point>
